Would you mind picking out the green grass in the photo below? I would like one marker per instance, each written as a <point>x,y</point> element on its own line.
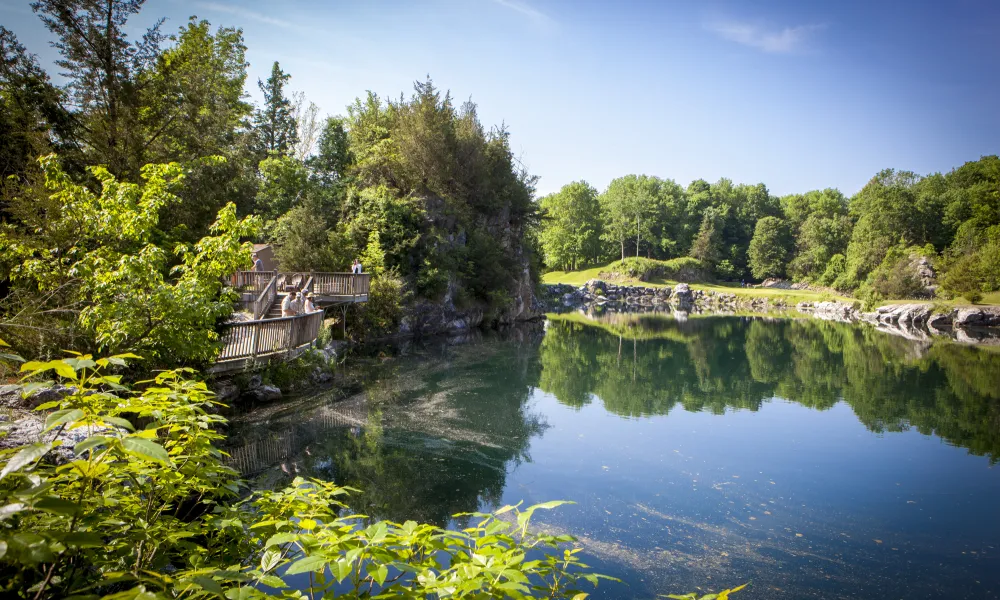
<point>579,278</point>
<point>989,299</point>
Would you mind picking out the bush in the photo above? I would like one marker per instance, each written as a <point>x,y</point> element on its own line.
<point>645,269</point>
<point>894,278</point>
<point>381,314</point>
<point>153,513</point>
<point>834,270</point>
<point>973,296</point>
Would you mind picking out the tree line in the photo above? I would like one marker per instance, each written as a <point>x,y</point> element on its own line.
<point>157,136</point>
<point>870,243</point>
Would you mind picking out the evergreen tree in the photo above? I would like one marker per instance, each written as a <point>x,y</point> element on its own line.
<point>274,124</point>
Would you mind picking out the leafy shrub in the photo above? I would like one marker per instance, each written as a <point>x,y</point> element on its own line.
<point>150,513</point>
<point>645,269</point>
<point>834,270</point>
<point>974,272</point>
<point>381,314</point>
<point>894,278</point>
<point>973,296</point>
<point>94,256</point>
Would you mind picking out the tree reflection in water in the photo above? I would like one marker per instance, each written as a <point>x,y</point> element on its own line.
<point>435,432</point>
<point>647,365</point>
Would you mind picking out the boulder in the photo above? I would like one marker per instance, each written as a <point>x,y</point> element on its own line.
<point>263,393</point>
<point>977,317</point>
<point>939,322</point>
<point>682,294</point>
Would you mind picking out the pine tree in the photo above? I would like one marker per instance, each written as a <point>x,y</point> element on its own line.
<point>274,124</point>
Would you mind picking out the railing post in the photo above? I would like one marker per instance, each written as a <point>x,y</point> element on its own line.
<point>253,340</point>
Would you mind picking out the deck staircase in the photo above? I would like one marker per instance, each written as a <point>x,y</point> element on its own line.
<point>268,334</point>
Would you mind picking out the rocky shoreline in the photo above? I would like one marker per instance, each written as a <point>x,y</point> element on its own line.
<point>920,321</point>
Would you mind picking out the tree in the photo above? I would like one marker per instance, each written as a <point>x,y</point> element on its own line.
<point>307,128</point>
<point>333,156</point>
<point>94,256</point>
<point>769,248</point>
<point>627,207</point>
<point>707,245</point>
<point>198,85</point>
<point>275,125</point>
<point>105,78</point>
<point>571,226</point>
<point>884,213</point>
<point>32,118</point>
<point>284,183</point>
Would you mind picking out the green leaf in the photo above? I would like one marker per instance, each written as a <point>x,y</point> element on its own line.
<point>82,539</point>
<point>281,538</point>
<point>146,449</point>
<point>27,456</point>
<point>118,422</point>
<point>269,560</point>
<point>379,574</point>
<point>208,584</point>
<point>306,565</point>
<point>91,442</point>
<point>273,581</point>
<point>58,506</point>
<point>67,415</point>
<point>11,509</point>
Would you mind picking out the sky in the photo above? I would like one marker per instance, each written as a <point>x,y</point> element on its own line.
<point>796,94</point>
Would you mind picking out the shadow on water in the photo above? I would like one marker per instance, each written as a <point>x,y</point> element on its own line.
<point>712,450</point>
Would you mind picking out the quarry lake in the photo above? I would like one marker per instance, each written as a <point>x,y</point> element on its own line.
<point>813,459</point>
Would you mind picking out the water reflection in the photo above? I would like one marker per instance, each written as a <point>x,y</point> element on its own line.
<point>619,414</point>
<point>433,433</point>
<point>646,365</point>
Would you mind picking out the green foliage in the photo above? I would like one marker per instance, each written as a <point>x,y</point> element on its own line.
<point>769,248</point>
<point>723,595</point>
<point>96,252</point>
<point>151,512</point>
<point>895,278</point>
<point>571,226</point>
<point>685,269</point>
<point>835,269</point>
<point>381,314</point>
<point>274,124</point>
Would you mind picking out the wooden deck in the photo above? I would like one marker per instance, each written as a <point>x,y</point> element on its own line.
<point>265,339</point>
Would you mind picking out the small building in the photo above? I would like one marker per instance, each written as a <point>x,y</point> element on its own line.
<point>265,252</point>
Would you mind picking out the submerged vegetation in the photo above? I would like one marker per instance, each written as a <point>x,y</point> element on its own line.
<point>153,512</point>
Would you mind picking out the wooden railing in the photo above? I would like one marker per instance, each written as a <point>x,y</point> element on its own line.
<point>321,284</point>
<point>341,284</point>
<point>267,337</point>
<point>262,303</point>
<point>252,280</point>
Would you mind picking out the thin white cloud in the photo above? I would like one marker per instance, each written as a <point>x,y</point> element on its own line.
<point>755,35</point>
<point>246,14</point>
<point>526,10</point>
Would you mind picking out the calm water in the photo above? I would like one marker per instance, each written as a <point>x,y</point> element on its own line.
<point>818,460</point>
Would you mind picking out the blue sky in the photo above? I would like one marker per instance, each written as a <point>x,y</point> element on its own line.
<point>796,94</point>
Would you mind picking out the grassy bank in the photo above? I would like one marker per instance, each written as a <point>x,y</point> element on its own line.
<point>578,278</point>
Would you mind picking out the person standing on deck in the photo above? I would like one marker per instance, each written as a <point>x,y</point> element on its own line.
<point>258,264</point>
<point>307,304</point>
<point>297,304</point>
<point>288,305</point>
<point>356,267</point>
